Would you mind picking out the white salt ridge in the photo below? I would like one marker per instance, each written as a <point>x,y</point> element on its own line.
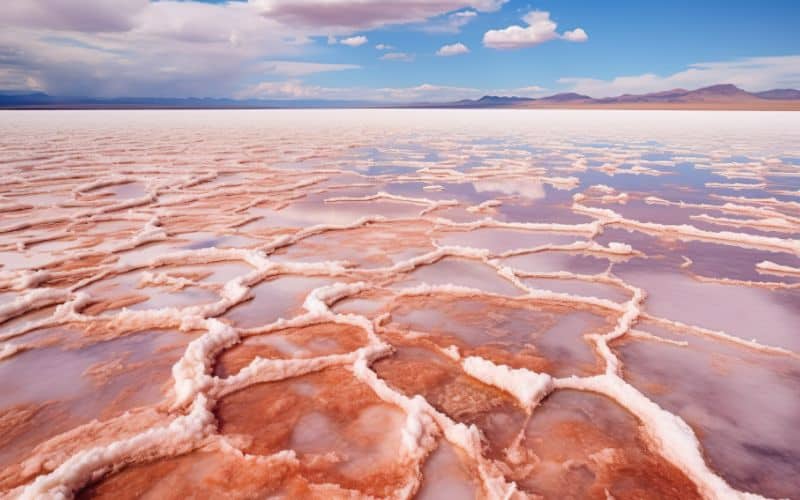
<point>770,202</point>
<point>603,194</point>
<point>729,208</point>
<point>7,350</point>
<point>23,279</point>
<point>180,436</point>
<point>191,372</point>
<point>431,205</point>
<point>590,229</point>
<point>602,189</point>
<point>668,434</point>
<point>769,267</point>
<point>766,224</point>
<point>418,434</point>
<point>175,283</point>
<point>34,299</point>
<point>528,387</point>
<point>614,250</point>
<point>484,206</point>
<point>112,180</point>
<point>720,335</point>
<point>735,186</point>
<point>641,334</point>
<point>771,285</point>
<point>688,232</point>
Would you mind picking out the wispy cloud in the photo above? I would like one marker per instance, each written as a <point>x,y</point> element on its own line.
<point>397,56</point>
<point>753,73</point>
<point>300,68</point>
<point>540,29</point>
<point>451,23</point>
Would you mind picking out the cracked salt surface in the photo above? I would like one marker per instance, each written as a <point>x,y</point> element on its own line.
<point>399,304</point>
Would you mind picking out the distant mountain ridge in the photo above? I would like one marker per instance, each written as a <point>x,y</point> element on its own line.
<point>40,100</point>
<point>713,96</point>
<point>721,96</point>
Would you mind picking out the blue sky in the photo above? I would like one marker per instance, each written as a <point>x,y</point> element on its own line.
<point>354,49</point>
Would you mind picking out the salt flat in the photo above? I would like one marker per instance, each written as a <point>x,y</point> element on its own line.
<point>398,303</point>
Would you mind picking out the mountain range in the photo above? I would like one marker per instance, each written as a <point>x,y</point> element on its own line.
<point>722,97</point>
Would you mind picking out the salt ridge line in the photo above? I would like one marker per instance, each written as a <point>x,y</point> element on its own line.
<point>735,186</point>
<point>180,436</point>
<point>528,387</point>
<point>641,334</point>
<point>720,335</point>
<point>590,229</point>
<point>771,202</point>
<point>769,267</point>
<point>532,295</point>
<point>603,278</point>
<point>613,251</point>
<point>727,207</point>
<point>688,232</point>
<point>111,180</point>
<point>769,285</point>
<point>467,438</point>
<point>486,206</point>
<point>34,299</point>
<point>777,224</point>
<point>431,205</point>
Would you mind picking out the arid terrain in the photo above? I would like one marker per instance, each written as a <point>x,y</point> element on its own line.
<point>422,304</point>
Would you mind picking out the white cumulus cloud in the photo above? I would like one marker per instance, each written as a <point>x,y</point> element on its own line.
<point>576,35</point>
<point>453,50</point>
<point>540,29</point>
